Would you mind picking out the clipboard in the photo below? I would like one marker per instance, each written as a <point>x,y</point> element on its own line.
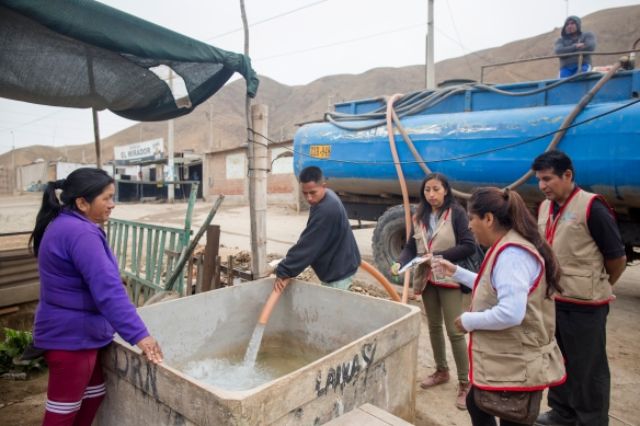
<point>412,263</point>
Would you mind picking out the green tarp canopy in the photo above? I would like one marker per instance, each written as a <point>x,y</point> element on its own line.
<point>84,54</point>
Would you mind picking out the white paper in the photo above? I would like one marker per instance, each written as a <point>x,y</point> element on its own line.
<point>413,262</point>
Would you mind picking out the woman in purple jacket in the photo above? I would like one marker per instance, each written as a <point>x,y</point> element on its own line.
<point>82,299</point>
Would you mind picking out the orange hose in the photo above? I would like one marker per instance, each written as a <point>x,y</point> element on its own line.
<point>268,307</point>
<point>381,279</point>
<point>275,294</point>
<point>403,185</point>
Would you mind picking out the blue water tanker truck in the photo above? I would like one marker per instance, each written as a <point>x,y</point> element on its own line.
<point>480,135</point>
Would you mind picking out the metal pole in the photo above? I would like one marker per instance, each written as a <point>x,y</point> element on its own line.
<point>430,77</point>
<point>170,165</point>
<point>96,135</point>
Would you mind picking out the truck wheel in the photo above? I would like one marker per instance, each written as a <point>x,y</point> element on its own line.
<point>389,239</point>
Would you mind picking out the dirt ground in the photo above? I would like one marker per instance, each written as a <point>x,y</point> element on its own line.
<point>22,403</point>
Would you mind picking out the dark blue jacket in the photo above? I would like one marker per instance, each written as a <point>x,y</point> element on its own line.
<point>327,244</point>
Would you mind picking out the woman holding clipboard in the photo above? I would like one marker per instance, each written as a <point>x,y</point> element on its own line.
<point>440,228</point>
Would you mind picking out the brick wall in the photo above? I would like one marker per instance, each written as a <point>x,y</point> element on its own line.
<point>281,188</point>
<point>217,182</point>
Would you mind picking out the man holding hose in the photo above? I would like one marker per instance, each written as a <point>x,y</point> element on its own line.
<point>327,244</point>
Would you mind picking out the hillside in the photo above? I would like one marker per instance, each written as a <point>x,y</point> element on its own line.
<point>616,30</point>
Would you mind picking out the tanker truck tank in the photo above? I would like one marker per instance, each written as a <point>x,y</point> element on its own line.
<point>480,135</point>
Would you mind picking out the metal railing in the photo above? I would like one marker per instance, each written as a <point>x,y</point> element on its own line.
<point>541,58</point>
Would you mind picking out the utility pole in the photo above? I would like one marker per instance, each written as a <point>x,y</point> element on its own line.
<point>170,177</point>
<point>257,175</point>
<point>430,79</point>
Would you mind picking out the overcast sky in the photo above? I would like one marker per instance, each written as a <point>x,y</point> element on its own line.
<point>298,41</point>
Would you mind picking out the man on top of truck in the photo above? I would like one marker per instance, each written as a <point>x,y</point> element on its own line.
<point>572,39</point>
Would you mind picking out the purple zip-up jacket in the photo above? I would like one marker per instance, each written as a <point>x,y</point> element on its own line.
<point>82,298</point>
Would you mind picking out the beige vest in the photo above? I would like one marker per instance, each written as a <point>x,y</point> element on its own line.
<point>442,238</point>
<point>524,357</point>
<point>584,278</point>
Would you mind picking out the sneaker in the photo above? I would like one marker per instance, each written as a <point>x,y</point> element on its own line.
<point>437,378</point>
<point>461,399</point>
<point>551,418</point>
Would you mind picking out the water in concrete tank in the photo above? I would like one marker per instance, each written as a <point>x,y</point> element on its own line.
<point>276,358</point>
<point>254,346</point>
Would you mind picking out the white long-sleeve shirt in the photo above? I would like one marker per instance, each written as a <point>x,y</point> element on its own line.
<point>513,275</point>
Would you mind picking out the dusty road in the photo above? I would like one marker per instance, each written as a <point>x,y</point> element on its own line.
<point>434,407</point>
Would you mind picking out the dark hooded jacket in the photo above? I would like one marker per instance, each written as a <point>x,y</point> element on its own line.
<point>567,44</point>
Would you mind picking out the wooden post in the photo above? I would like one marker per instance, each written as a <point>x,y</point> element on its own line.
<point>229,271</point>
<point>258,191</point>
<point>216,273</point>
<point>188,287</point>
<point>211,250</point>
<point>199,272</point>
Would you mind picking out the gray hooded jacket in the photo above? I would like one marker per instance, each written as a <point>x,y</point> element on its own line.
<point>567,44</point>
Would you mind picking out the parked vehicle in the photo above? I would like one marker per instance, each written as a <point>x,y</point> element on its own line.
<point>481,135</point>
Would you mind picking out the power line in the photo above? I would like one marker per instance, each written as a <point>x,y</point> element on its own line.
<point>455,29</point>
<point>78,134</point>
<point>267,19</point>
<point>484,58</point>
<point>366,37</point>
<point>9,129</point>
<point>338,43</point>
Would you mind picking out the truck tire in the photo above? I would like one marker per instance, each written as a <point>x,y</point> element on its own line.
<point>389,239</point>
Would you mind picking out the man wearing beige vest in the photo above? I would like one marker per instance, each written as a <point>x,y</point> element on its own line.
<point>582,230</point>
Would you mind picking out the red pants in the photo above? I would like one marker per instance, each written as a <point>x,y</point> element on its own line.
<point>76,387</point>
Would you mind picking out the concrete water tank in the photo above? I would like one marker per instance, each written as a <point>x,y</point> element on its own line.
<point>364,350</point>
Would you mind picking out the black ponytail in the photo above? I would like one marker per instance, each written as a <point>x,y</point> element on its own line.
<point>85,183</point>
<point>525,224</point>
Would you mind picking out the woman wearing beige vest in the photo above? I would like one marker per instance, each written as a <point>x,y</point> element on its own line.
<point>511,323</point>
<point>440,227</point>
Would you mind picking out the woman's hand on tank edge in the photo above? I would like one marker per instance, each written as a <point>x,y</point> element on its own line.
<point>151,349</point>
<point>280,283</point>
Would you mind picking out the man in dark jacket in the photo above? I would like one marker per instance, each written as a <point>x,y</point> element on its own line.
<point>327,243</point>
<point>574,40</point>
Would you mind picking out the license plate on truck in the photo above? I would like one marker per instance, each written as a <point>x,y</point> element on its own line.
<point>320,151</point>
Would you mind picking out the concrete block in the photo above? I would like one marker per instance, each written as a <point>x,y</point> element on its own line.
<point>367,354</point>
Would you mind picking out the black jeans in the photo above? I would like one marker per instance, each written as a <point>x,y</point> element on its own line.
<point>480,418</point>
<point>581,335</point>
